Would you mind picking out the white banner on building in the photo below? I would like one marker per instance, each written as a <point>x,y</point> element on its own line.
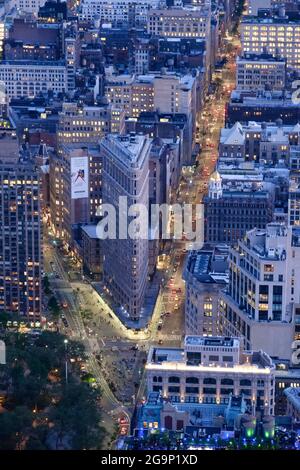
<point>79,177</point>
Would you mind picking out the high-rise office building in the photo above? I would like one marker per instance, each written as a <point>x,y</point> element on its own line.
<point>20,241</point>
<point>75,189</point>
<point>205,274</point>
<point>261,301</point>
<point>276,35</point>
<point>126,173</point>
<point>260,72</point>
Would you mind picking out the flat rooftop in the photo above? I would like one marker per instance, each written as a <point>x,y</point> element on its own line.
<point>131,147</point>
<point>209,265</point>
<point>213,341</point>
<point>37,63</point>
<point>271,20</point>
<point>169,359</point>
<point>252,57</point>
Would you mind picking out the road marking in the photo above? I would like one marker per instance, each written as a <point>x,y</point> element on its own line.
<point>170,337</point>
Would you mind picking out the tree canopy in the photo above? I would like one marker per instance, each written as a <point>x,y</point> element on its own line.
<point>38,403</point>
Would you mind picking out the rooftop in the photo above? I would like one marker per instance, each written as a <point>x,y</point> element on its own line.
<point>272,20</point>
<point>186,11</point>
<point>36,63</point>
<point>272,242</point>
<point>233,136</point>
<point>90,230</point>
<point>213,341</point>
<point>131,146</point>
<point>251,57</point>
<point>174,360</point>
<point>209,265</point>
<point>270,98</point>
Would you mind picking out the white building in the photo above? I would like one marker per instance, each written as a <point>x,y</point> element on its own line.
<point>126,173</point>
<point>270,142</point>
<point>210,370</point>
<point>260,72</point>
<point>188,22</point>
<point>118,12</point>
<point>163,92</point>
<point>263,290</point>
<point>29,79</point>
<point>276,35</point>
<point>175,94</point>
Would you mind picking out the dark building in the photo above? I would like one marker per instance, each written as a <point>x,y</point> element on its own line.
<point>92,257</point>
<point>55,10</point>
<point>34,114</point>
<point>28,40</point>
<point>118,45</point>
<point>178,53</point>
<point>227,219</point>
<point>166,126</point>
<point>266,107</point>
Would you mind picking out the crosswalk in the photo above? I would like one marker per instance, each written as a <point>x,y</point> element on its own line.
<point>170,337</point>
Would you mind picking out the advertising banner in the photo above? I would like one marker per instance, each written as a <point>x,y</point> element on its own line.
<point>79,177</point>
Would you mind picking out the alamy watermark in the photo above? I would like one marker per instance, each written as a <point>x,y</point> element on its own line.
<point>296,92</point>
<point>156,222</point>
<point>295,359</point>
<point>2,92</point>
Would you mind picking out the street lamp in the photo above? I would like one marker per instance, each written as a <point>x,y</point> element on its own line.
<point>66,360</point>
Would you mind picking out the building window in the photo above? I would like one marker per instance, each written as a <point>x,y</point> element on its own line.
<point>192,380</point>
<point>245,382</point>
<point>209,381</point>
<point>174,380</point>
<point>194,390</point>
<point>226,382</point>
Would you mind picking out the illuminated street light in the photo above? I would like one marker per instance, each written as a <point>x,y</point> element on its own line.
<point>66,360</point>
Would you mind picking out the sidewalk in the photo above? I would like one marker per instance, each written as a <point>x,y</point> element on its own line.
<point>149,304</point>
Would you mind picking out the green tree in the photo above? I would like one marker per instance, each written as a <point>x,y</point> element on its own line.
<point>77,415</point>
<point>54,306</point>
<point>37,393</point>
<point>13,426</point>
<point>46,285</point>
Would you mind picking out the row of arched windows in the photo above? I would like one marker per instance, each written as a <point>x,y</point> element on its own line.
<point>207,381</point>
